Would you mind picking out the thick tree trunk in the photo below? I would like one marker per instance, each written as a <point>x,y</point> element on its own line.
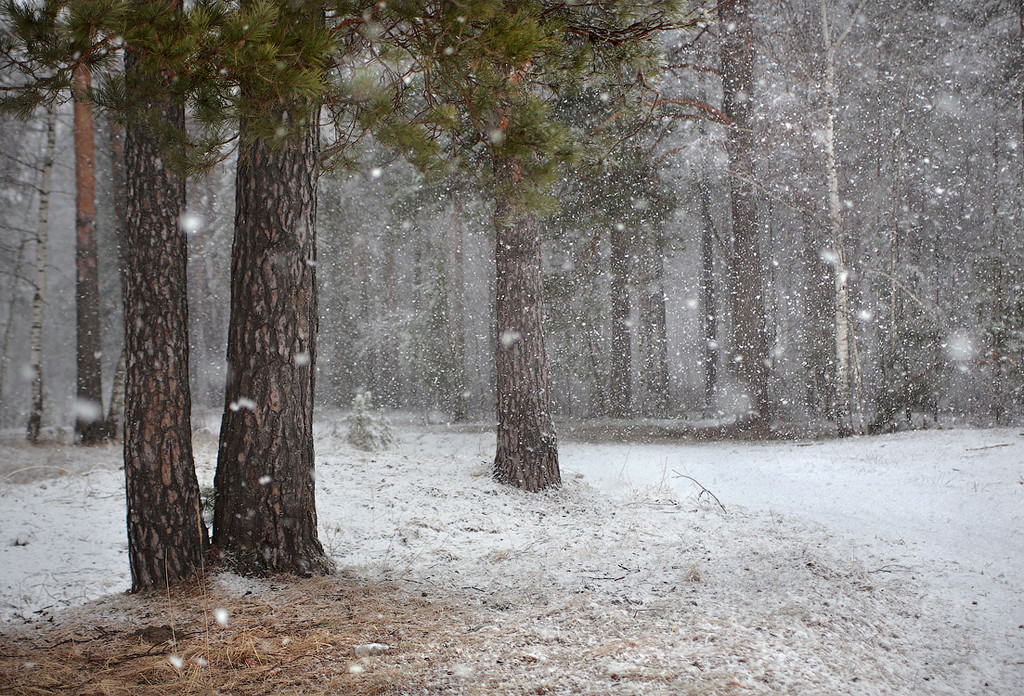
<point>265,514</point>
<point>166,533</point>
<point>750,336</point>
<point>527,452</point>
<point>35,361</point>
<point>620,384</point>
<point>709,312</point>
<point>89,422</point>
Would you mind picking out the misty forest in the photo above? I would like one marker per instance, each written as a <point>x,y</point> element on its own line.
<point>308,283</point>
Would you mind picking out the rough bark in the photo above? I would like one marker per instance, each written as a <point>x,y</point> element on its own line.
<point>35,418</point>
<point>620,383</point>
<point>527,452</point>
<point>265,512</point>
<point>166,534</point>
<point>750,336</point>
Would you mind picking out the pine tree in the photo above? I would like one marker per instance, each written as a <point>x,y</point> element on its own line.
<point>265,514</point>
<point>166,533</point>
<point>90,427</point>
<point>488,71</point>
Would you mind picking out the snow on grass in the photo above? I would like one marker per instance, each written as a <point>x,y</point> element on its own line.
<point>871,565</point>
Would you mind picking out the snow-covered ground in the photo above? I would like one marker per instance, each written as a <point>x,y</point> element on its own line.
<point>892,564</point>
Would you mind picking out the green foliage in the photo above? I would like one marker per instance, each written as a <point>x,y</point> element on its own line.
<point>490,72</point>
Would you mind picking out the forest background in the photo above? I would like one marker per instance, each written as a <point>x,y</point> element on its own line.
<point>925,99</point>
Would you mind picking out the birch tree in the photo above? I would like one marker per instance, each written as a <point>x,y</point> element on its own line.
<point>837,257</point>
<point>35,418</point>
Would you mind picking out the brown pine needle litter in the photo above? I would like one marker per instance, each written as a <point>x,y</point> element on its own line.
<point>295,637</point>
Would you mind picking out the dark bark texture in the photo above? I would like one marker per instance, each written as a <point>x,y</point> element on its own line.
<point>750,336</point>
<point>90,427</point>
<point>166,534</point>
<point>527,453</point>
<point>265,513</point>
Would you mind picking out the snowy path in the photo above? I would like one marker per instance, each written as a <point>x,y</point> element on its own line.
<point>946,504</point>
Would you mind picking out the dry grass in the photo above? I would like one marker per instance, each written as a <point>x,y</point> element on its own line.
<point>296,638</point>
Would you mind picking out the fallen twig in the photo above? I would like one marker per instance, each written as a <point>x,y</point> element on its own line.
<point>703,489</point>
<point>987,447</point>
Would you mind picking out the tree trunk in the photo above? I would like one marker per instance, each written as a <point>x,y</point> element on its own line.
<point>620,385</point>
<point>709,312</point>
<point>843,409</point>
<point>115,414</point>
<point>653,323</point>
<point>265,513</point>
<point>750,339</point>
<point>527,453</point>
<point>89,423</point>
<point>166,533</point>
<point>35,417</point>
<point>12,304</point>
<point>460,397</point>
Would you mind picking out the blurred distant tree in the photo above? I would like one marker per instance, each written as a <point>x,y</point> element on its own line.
<point>747,287</point>
<point>90,426</point>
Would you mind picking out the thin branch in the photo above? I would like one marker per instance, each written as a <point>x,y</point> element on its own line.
<point>703,488</point>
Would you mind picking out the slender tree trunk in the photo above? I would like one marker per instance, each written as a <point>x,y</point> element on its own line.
<point>460,399</point>
<point>89,422</point>
<point>265,513</point>
<point>391,386</point>
<point>166,533</point>
<point>527,452</point>
<point>115,414</point>
<point>750,336</point>
<point>819,301</point>
<point>620,385</point>
<point>35,361</point>
<point>843,399</point>
<point>653,322</point>
<point>5,349</point>
<point>709,312</point>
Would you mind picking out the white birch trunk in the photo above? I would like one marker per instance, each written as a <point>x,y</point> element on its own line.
<point>842,406</point>
<point>35,418</point>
